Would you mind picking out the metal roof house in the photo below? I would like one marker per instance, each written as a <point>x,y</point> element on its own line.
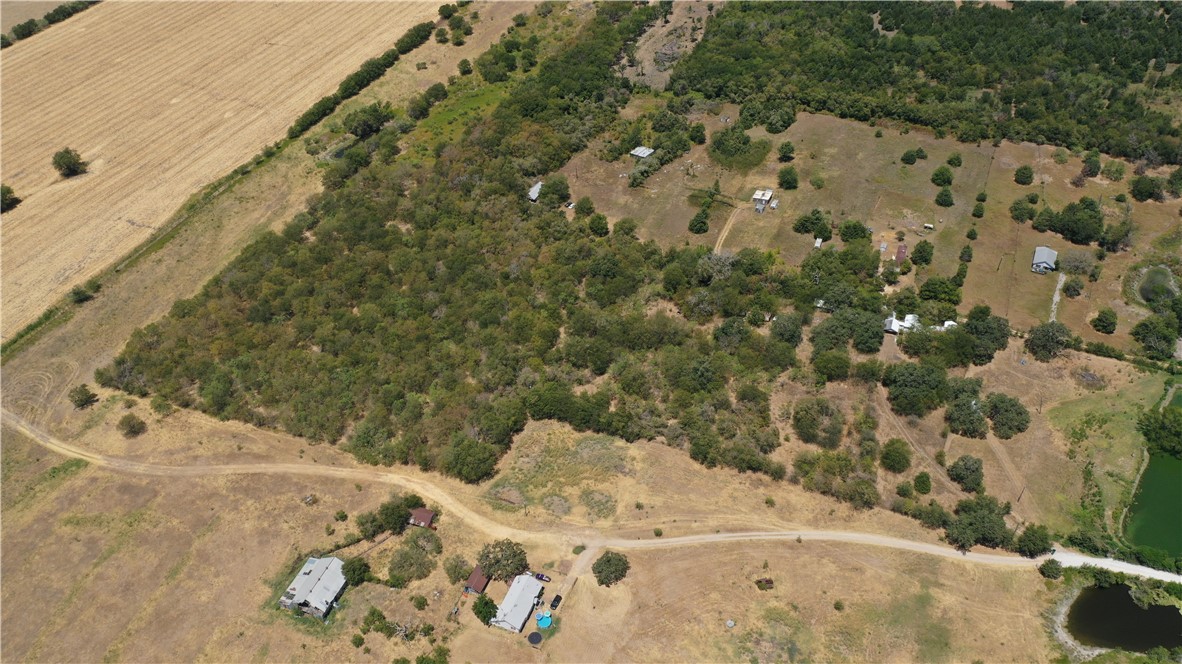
<point>519,603</point>
<point>316,588</point>
<point>534,192</point>
<point>640,152</point>
<point>1044,260</point>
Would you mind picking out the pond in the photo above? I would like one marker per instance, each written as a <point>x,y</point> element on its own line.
<point>1108,618</point>
<point>1154,518</point>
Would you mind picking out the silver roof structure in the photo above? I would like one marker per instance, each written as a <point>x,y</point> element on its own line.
<point>641,151</point>
<point>535,191</point>
<point>515,610</point>
<point>764,195</point>
<point>317,586</point>
<point>1045,255</point>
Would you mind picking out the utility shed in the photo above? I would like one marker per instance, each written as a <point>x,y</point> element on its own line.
<point>534,192</point>
<point>519,603</point>
<point>422,517</point>
<point>640,152</point>
<point>901,253</point>
<point>477,581</point>
<point>1044,260</point>
<point>316,588</point>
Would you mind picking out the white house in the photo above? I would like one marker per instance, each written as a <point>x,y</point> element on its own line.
<point>1044,260</point>
<point>534,192</point>
<point>316,588</point>
<point>896,325</point>
<point>514,611</point>
<point>640,152</point>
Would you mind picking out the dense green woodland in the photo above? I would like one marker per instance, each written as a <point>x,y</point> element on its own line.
<point>1040,71</point>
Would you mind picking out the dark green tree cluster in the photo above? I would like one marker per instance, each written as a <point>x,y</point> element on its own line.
<point>610,568</point>
<point>734,149</point>
<point>392,516</point>
<point>815,223</point>
<point>8,198</point>
<point>932,69</point>
<point>1163,430</point>
<point>837,474</point>
<point>666,131</point>
<point>502,560</point>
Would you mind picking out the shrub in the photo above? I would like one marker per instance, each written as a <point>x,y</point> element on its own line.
<point>920,153</point>
<point>69,163</point>
<point>356,571</point>
<point>1114,171</point>
<point>1051,569</point>
<point>657,532</point>
<point>942,177</point>
<point>978,210</point>
<point>981,197</point>
<point>1143,188</point>
<point>610,568</point>
<point>968,472</point>
<point>923,483</point>
<point>419,602</point>
<point>817,182</point>
<point>966,254</point>
<point>908,157</point>
<point>1073,287</point>
<point>8,198</point>
<point>954,160</point>
<point>700,223</point>
<point>131,426</point>
<point>1024,175</point>
<point>896,455</point>
<point>788,178</point>
<point>465,67</point>
<point>358,640</point>
<point>457,568</point>
<point>1105,321</point>
<point>1033,542</point>
<point>787,151</point>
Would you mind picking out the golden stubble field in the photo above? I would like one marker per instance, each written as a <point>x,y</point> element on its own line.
<point>161,99</point>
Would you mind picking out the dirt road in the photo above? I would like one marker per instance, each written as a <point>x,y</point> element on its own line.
<point>594,542</point>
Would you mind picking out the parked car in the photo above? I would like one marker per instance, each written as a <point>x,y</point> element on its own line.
<point>555,602</point>
<point>570,205</point>
<point>542,577</point>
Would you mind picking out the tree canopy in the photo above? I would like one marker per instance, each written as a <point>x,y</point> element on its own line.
<point>610,568</point>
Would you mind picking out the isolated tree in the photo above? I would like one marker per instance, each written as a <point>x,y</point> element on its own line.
<point>954,160</point>
<point>69,163</point>
<point>1045,342</point>
<point>942,177</point>
<point>787,151</point>
<point>908,157</point>
<point>982,197</point>
<point>944,198</point>
<point>697,133</point>
<point>356,571</point>
<point>966,254</point>
<point>788,178</point>
<point>610,568</point>
<point>584,207</point>
<point>700,223</point>
<point>1033,542</point>
<point>484,608</point>
<point>8,198</point>
<point>1024,175</point>
<point>922,254</point>
<point>923,483</point>
<point>1008,415</point>
<point>979,210</point>
<point>1105,321</point>
<point>465,67</point>
<point>131,426</point>
<point>502,560</point>
<point>896,455</point>
<point>968,472</point>
<point>82,397</point>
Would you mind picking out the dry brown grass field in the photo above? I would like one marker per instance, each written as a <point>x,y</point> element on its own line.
<point>19,11</point>
<point>161,99</point>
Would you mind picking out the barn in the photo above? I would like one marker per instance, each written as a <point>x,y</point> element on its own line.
<point>316,588</point>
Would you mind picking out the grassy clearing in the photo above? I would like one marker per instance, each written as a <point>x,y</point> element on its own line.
<point>560,467</point>
<point>467,102</point>
<point>1102,427</point>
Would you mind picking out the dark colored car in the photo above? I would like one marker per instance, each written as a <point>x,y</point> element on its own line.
<point>555,602</point>
<point>542,577</point>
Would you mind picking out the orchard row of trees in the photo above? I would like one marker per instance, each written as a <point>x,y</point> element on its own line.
<point>1067,73</point>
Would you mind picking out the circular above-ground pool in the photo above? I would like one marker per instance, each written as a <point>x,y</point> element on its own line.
<point>545,621</point>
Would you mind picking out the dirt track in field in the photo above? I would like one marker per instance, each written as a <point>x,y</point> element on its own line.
<point>161,99</point>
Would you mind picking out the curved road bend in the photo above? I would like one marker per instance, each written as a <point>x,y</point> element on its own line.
<point>591,541</point>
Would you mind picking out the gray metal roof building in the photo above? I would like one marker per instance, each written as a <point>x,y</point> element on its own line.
<point>1044,260</point>
<point>515,610</point>
<point>641,152</point>
<point>535,191</point>
<point>316,587</point>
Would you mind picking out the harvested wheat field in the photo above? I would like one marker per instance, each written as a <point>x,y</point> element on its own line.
<point>161,99</point>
